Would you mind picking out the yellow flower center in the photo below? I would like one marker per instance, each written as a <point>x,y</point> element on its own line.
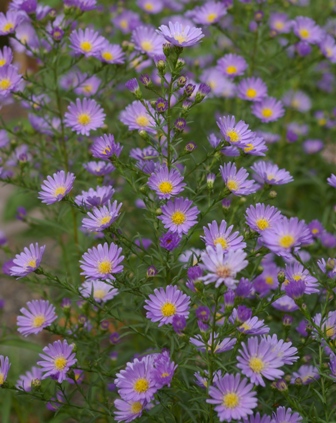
<point>104,220</point>
<point>106,150</point>
<point>262,224</point>
<point>269,280</point>
<point>256,364</point>
<point>248,147</point>
<point>147,46</point>
<point>105,267</point>
<point>286,241</point>
<point>141,385</point>
<point>136,407</point>
<point>231,400</point>
<point>165,374</point>
<point>222,241</point>
<point>2,62</point>
<point>297,277</point>
<point>99,294</point>
<point>165,187</point>
<point>60,363</point>
<point>251,93</point>
<point>304,33</point>
<point>168,309</point>
<point>315,231</point>
<point>267,112</point>
<point>124,24</point>
<point>211,17</point>
<point>8,27</point>
<point>106,55</point>
<point>231,70</point>
<point>59,191</point>
<point>330,331</point>
<point>295,103</point>
<point>233,135</point>
<point>38,321</point>
<point>148,6</point>
<point>212,84</point>
<point>279,25</point>
<point>88,88</point>
<point>142,121</point>
<point>178,218</point>
<point>84,119</point>
<point>86,46</point>
<point>24,39</point>
<point>5,84</point>
<point>31,263</point>
<point>2,379</point>
<point>244,326</point>
<point>180,38</point>
<point>232,185</point>
<point>223,271</point>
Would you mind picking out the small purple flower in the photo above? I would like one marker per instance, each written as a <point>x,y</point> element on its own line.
<point>236,134</point>
<point>214,343</point>
<point>102,217</point>
<point>94,198</point>
<point>57,360</point>
<point>280,23</point>
<point>161,105</point>
<point>56,187</point>
<point>268,109</point>
<point>297,100</point>
<point>305,375</point>
<point>236,181</point>
<point>164,304</point>
<point>126,21</point>
<point>4,368</point>
<point>232,65</point>
<point>285,415</point>
<point>210,13</point>
<point>179,323</point>
<point>269,173</point>
<point>100,291</point>
<point>295,272</point>
<point>253,326</point>
<point>261,216</point>
<point>165,182</point>
<point>126,411</point>
<point>9,22</point>
<point>102,262</point>
<point>112,54</point>
<point>100,168</point>
<point>332,180</point>
<point>252,89</point>
<point>6,56</point>
<point>312,146</point>
<point>147,41</point>
<point>87,42</point>
<point>84,116</point>
<point>180,35</point>
<point>223,235</point>
<point>170,241</point>
<point>105,147</point>
<point>307,30</point>
<point>26,381</point>
<point>38,315</point>
<point>179,216</point>
<point>203,313</point>
<point>10,80</point>
<point>256,147</point>
<point>136,116</point>
<point>151,6</point>
<point>27,261</point>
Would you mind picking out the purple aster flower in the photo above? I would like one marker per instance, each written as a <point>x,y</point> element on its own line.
<point>203,90</point>
<point>223,235</point>
<point>57,360</point>
<point>332,365</point>
<point>9,22</point>
<point>280,23</point>
<point>180,35</point>
<point>295,272</point>
<point>256,147</point>
<point>133,86</point>
<point>105,147</point>
<point>285,415</point>
<point>327,324</point>
<point>4,368</point>
<point>332,180</point>
<point>286,234</point>
<point>202,380</point>
<point>97,197</point>
<point>257,419</point>
<point>328,240</point>
<point>261,216</point>
<point>284,350</point>
<point>77,377</point>
<point>269,173</point>
<point>303,48</point>
<point>302,328</point>
<point>165,182</point>
<point>83,5</point>
<point>312,146</point>
<point>100,168</point>
<point>233,397</point>
<point>268,109</point>
<point>178,215</point>
<point>285,303</point>
<point>203,313</point>
<point>170,241</point>
<point>232,65</point>
<point>307,30</point>
<point>222,267</point>
<point>136,116</point>
<point>328,267</point>
<point>147,40</point>
<point>112,54</point>
<point>151,6</point>
<point>38,315</point>
<point>126,411</point>
<point>297,100</point>
<point>86,41</point>
<point>126,21</point>
<point>252,89</point>
<point>267,280</point>
<point>26,381</point>
<point>305,375</point>
<point>244,289</point>
<point>102,262</point>
<point>236,181</point>
<point>10,80</point>
<point>179,323</point>
<point>56,187</point>
<point>218,346</point>
<point>236,134</point>
<point>253,326</point>
<point>328,48</point>
<point>6,56</point>
<point>84,116</point>
<point>28,261</point>
<point>101,217</point>
<point>208,14</point>
<point>164,367</point>
<point>100,291</point>
<point>88,87</point>
<point>257,360</point>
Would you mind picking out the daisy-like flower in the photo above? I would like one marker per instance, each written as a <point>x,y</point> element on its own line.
<point>101,291</point>
<point>135,116</point>
<point>100,168</point>
<point>332,180</point>
<point>261,216</point>
<point>56,187</point>
<point>326,324</point>
<point>285,415</point>
<point>286,234</point>
<point>280,23</point>
<point>297,100</point>
<point>180,35</point>
<point>233,397</point>
<point>28,261</point>
<point>57,358</point>
<point>147,40</point>
<point>307,30</point>
<point>27,380</point>
<point>257,360</point>
<point>257,419</point>
<point>256,147</point>
<point>38,315</point>
<point>4,368</point>
<point>105,147</point>
<point>164,304</point>
<point>102,262</point>
<point>284,350</point>
<point>151,6</point>
<point>164,369</point>
<point>305,375</point>
<point>102,217</point>
<point>86,41</point>
<point>89,86</point>
<point>126,411</point>
<point>112,54</point>
<point>178,215</point>
<point>253,326</point>
<point>218,346</point>
<point>328,267</point>
<point>295,272</point>
<point>236,134</point>
<point>9,22</point>
<point>94,198</point>
<point>208,14</point>
<point>83,5</point>
<point>269,173</point>
<point>9,80</point>
<point>268,109</point>
<point>222,267</point>
<point>126,21</point>
<point>232,65</point>
<point>84,116</point>
<point>223,235</point>
<point>236,181</point>
<point>137,382</point>
<point>6,56</point>
<point>285,303</point>
<point>165,182</point>
<point>252,89</point>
